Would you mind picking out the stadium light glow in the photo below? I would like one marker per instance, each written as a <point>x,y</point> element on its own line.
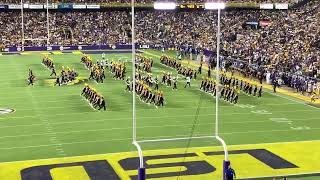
<point>165,5</point>
<point>214,5</point>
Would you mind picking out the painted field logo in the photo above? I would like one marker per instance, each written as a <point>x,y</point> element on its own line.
<point>6,111</point>
<point>255,161</point>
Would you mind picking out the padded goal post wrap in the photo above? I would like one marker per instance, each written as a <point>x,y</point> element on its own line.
<point>141,174</point>
<point>225,167</point>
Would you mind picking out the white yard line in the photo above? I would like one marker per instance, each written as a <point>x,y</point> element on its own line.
<point>129,119</point>
<point>143,117</point>
<point>154,137</point>
<point>150,117</point>
<point>150,110</point>
<point>187,102</point>
<point>68,101</point>
<point>53,135</point>
<point>125,128</point>
<point>57,96</point>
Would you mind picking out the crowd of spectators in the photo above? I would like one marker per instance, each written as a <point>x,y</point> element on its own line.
<point>289,41</point>
<point>70,1</point>
<point>65,28</point>
<point>141,1</point>
<point>290,44</point>
<point>242,1</point>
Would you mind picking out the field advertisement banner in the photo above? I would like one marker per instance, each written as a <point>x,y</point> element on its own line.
<point>35,6</point>
<point>3,6</point>
<point>79,6</point>
<point>93,6</point>
<point>14,6</point>
<point>78,47</point>
<point>65,6</point>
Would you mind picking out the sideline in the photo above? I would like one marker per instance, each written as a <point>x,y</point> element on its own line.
<point>264,85</point>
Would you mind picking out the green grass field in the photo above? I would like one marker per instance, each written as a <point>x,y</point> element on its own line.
<point>52,122</point>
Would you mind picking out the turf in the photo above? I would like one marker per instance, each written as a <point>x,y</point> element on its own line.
<point>56,122</point>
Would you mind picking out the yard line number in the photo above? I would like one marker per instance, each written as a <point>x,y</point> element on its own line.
<point>281,120</point>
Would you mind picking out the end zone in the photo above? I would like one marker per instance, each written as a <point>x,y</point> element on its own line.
<point>259,161</point>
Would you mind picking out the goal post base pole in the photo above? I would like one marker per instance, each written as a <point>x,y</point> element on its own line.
<point>226,164</point>
<point>141,169</point>
<point>141,174</point>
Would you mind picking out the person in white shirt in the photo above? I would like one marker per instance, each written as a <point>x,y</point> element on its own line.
<point>188,82</point>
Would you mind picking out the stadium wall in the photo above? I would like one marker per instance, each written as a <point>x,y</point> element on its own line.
<point>16,49</point>
<point>77,47</point>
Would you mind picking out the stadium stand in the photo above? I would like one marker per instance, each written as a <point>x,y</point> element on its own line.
<point>141,1</point>
<point>286,43</point>
<point>78,27</point>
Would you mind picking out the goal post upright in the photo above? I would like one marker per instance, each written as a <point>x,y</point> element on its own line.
<point>218,6</point>
<point>218,82</point>
<point>22,26</point>
<point>141,169</point>
<point>48,25</point>
<point>23,38</point>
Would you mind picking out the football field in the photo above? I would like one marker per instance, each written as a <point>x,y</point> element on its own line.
<point>275,135</point>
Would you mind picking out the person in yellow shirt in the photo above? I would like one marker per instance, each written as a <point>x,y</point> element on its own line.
<point>313,97</point>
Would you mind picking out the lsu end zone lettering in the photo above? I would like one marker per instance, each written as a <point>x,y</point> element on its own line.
<point>250,161</point>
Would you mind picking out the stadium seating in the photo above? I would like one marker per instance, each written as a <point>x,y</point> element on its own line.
<point>287,41</point>
<point>138,1</point>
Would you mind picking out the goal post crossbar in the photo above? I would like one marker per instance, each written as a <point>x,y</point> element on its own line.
<point>174,139</point>
<point>189,138</point>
